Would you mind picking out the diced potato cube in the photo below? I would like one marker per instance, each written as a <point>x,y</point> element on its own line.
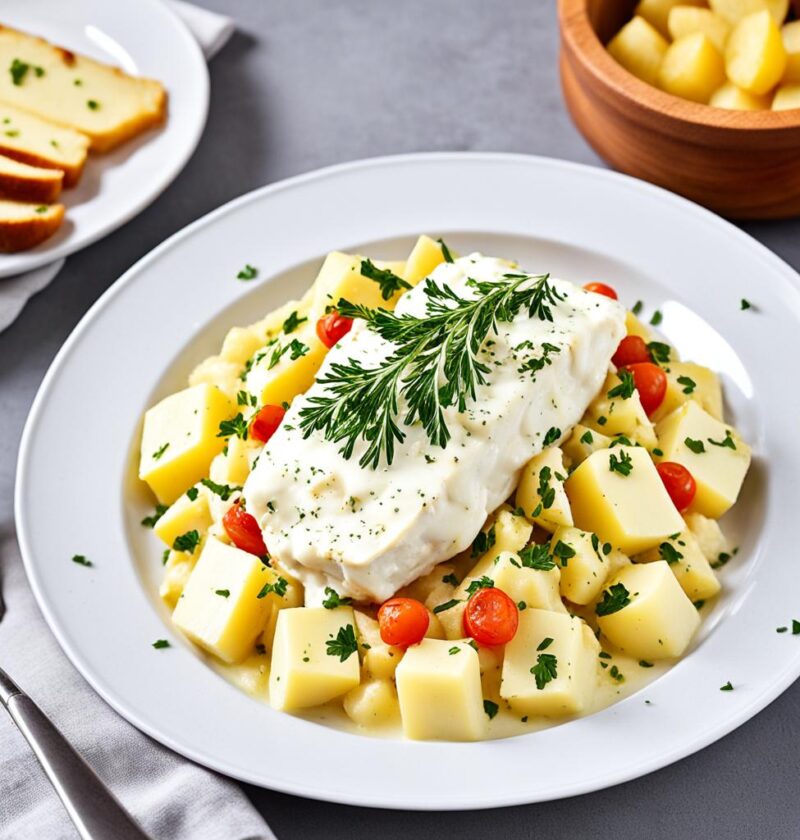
<point>535,588</point>
<point>491,662</point>
<point>508,532</point>
<point>177,569</point>
<point>293,596</point>
<point>439,687</point>
<point>182,516</point>
<point>711,451</point>
<point>220,609</point>
<point>658,621</point>
<point>424,257</point>
<point>380,660</point>
<point>306,670</point>
<point>640,49</point>
<point>341,277</point>
<point>422,587</point>
<point>683,555</point>
<point>251,675</point>
<point>541,494</point>
<point>633,512</point>
<point>452,618</point>
<point>372,704</point>
<point>633,326</point>
<point>790,34</point>
<point>787,97</point>
<point>687,381</point>
<point>692,68</point>
<point>755,58</point>
<point>735,99</point>
<point>232,465</point>
<point>686,20</point>
<point>582,442</point>
<point>179,439</point>
<point>287,377</point>
<point>584,573</point>
<point>712,542</point>
<point>272,324</point>
<point>569,659</point>
<point>239,345</point>
<point>657,12</point>
<point>734,10</point>
<point>618,415</point>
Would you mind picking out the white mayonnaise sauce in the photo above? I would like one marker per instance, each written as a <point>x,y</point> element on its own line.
<point>366,533</point>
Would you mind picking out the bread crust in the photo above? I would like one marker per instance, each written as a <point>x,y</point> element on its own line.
<point>22,234</point>
<point>43,187</point>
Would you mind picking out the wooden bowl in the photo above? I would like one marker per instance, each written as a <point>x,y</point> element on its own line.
<point>742,164</point>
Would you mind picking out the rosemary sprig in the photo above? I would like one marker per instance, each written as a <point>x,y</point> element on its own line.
<point>441,346</point>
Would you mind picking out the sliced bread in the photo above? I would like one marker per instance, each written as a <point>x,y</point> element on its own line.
<point>23,182</point>
<point>24,225</point>
<point>32,140</point>
<point>101,101</point>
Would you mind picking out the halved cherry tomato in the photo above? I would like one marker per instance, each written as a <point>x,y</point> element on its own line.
<point>403,621</point>
<point>601,289</point>
<point>651,383</point>
<point>266,422</point>
<point>331,327</point>
<point>243,530</point>
<point>632,350</point>
<point>679,482</point>
<point>491,617</point>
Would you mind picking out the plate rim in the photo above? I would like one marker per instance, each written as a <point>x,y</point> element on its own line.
<point>37,259</point>
<point>469,801</point>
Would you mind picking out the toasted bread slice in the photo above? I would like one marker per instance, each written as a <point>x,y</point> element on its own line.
<point>102,102</point>
<point>22,182</point>
<point>35,141</point>
<point>24,225</point>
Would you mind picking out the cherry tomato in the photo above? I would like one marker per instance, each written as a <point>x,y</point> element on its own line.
<point>491,617</point>
<point>650,382</point>
<point>679,482</point>
<point>243,530</point>
<point>403,621</point>
<point>266,422</point>
<point>331,327</point>
<point>632,350</point>
<point>601,289</point>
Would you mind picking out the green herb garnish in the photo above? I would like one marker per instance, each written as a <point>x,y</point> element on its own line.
<point>727,687</point>
<point>727,441</point>
<point>224,491</point>
<point>344,645</point>
<point>614,599</point>
<point>545,670</point>
<point>536,557</point>
<point>659,352</point>
<point>292,323</point>
<point>249,272</point>
<point>160,451</point>
<point>490,708</point>
<point>187,542</point>
<point>447,605</point>
<point>622,465</point>
<point>388,281</point>
<point>657,318</point>
<point>334,599</point>
<point>278,587</point>
<point>668,552</point>
<point>483,542</point>
<point>626,387</point>
<point>160,644</point>
<point>81,560</point>
<point>482,582</point>
<point>150,521</point>
<point>235,426</point>
<point>223,593</point>
<point>695,446</point>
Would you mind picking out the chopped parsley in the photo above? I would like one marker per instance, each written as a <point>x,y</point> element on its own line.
<point>587,437</point>
<point>643,663</point>
<point>451,579</point>
<point>344,645</point>
<point>295,348</point>
<point>563,552</point>
<point>187,542</point>
<point>81,560</point>
<point>235,426</point>
<point>490,708</point>
<point>192,493</point>
<point>249,400</point>
<point>454,650</point>
<point>292,323</point>
<point>699,604</point>
<point>656,318</point>
<point>637,307</point>
<point>537,557</point>
<point>722,558</point>
<point>545,670</point>
<point>727,441</point>
<point>448,257</point>
<point>616,674</point>
<point>727,687</point>
<point>19,69</point>
<point>745,304</point>
<point>388,281</point>
<point>482,582</point>
<point>249,272</point>
<point>224,491</point>
<point>795,627</point>
<point>622,465</point>
<point>696,446</point>
<point>165,557</point>
<point>688,384</point>
<point>334,599</point>
<point>447,605</point>
<point>614,599</point>
<point>278,587</point>
<point>150,521</point>
<point>625,388</point>
<point>160,451</point>
<point>534,365</point>
<point>668,552</point>
<point>223,593</point>
<point>660,353</point>
<point>547,494</point>
<point>602,420</point>
<point>483,542</point>
<point>553,434</point>
<point>781,629</point>
<point>545,643</point>
<point>160,644</point>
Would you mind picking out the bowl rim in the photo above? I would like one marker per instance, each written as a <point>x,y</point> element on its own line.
<point>578,32</point>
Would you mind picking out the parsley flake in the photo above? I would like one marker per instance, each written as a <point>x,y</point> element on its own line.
<point>224,491</point>
<point>81,560</point>
<point>625,388</point>
<point>536,557</point>
<point>223,593</point>
<point>344,645</point>
<point>727,441</point>
<point>668,552</point>
<point>187,542</point>
<point>334,599</point>
<point>696,446</point>
<point>150,521</point>
<point>622,465</point>
<point>292,323</point>
<point>160,451</point>
<point>235,426</point>
<point>688,384</point>
<point>483,582</point>
<point>727,687</point>
<point>160,644</point>
<point>553,434</point>
<point>278,587</point>
<point>490,708</point>
<point>447,605</point>
<point>249,272</point>
<point>386,279</point>
<point>483,542</point>
<point>614,599</point>
<point>545,670</point>
<point>656,318</point>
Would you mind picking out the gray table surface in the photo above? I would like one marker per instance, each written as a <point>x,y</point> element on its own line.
<point>304,84</point>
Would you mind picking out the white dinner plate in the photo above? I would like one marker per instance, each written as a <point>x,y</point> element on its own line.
<point>144,38</point>
<point>77,492</point>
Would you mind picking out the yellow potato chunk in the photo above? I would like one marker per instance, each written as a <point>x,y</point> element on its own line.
<point>692,68</point>
<point>179,439</point>
<point>711,451</point>
<point>787,97</point>
<point>584,572</point>
<point>251,675</point>
<point>639,48</point>
<point>735,99</point>
<point>508,532</point>
<point>184,515</point>
<point>632,512</point>
<point>620,415</point>
<point>790,34</point>
<point>220,609</point>
<point>306,670</point>
<point>734,10</point>
<point>582,442</point>
<point>658,620</point>
<point>379,659</point>
<point>541,494</point>
<point>633,326</point>
<point>439,687</point>
<point>755,58</point>
<point>232,466</point>
<point>177,568</point>
<point>239,345</point>
<point>271,326</point>
<point>688,563</point>
<point>687,381</point>
<point>533,588</point>
<point>657,12</point>
<point>712,542</point>
<point>564,675</point>
<point>341,277</point>
<point>372,704</point>
<point>686,20</point>
<point>424,257</point>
